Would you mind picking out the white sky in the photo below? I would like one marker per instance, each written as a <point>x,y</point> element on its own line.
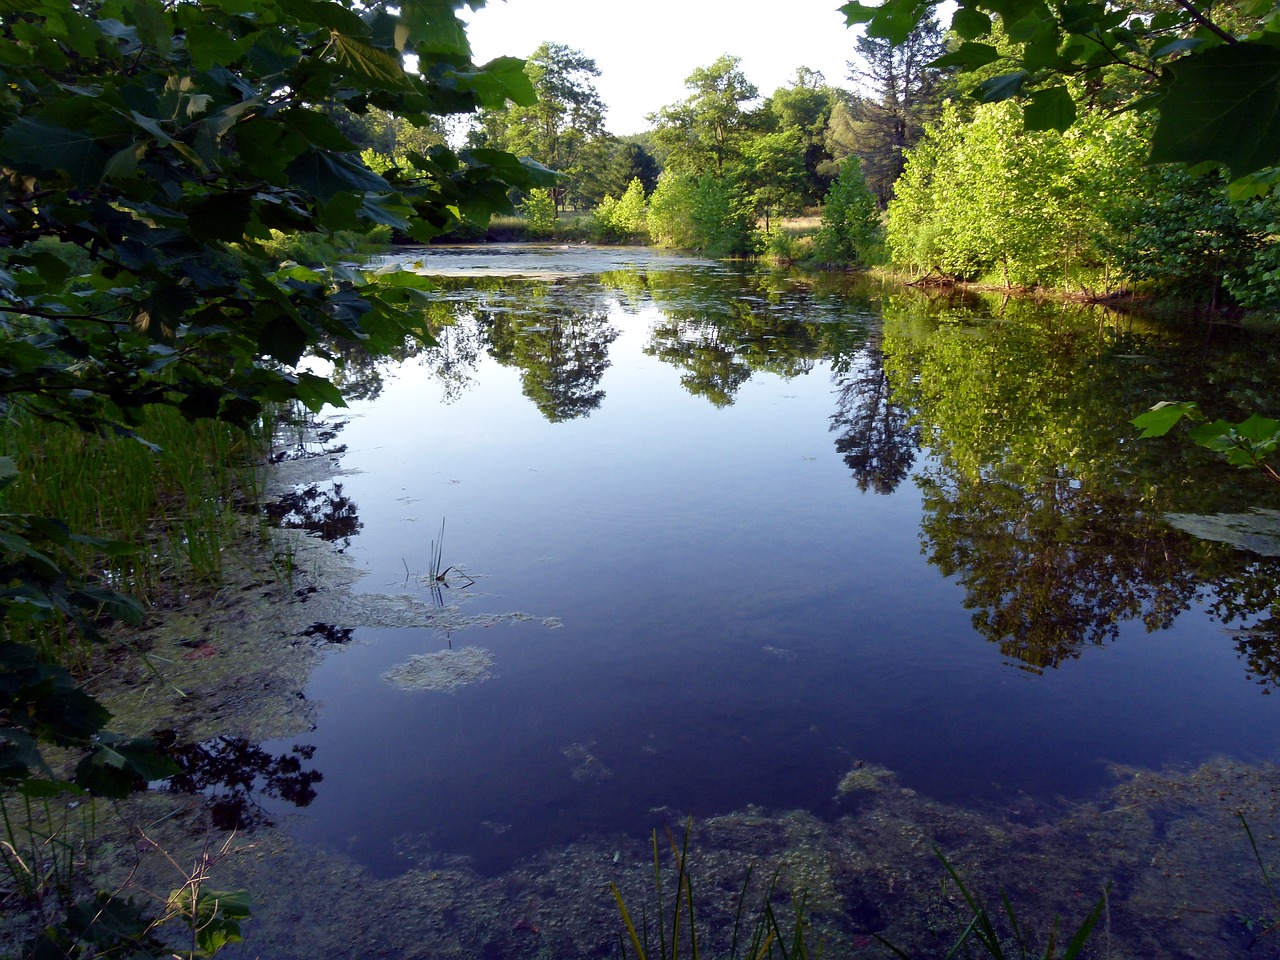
<point>645,50</point>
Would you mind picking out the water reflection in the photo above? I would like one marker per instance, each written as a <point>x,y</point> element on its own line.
<point>561,355</point>
<point>319,508</point>
<point>876,435</point>
<point>1036,500</point>
<point>235,775</point>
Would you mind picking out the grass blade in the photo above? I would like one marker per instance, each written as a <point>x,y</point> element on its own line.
<point>626,919</point>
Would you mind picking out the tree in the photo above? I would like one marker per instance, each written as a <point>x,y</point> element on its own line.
<point>986,199</point>
<point>850,231</point>
<point>561,127</point>
<point>771,173</point>
<point>805,108</point>
<point>905,94</point>
<point>705,132</point>
<point>146,151</point>
<point>1213,81</point>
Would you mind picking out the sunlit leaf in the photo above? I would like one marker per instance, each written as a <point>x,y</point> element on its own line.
<point>1164,416</point>
<point>1051,109</point>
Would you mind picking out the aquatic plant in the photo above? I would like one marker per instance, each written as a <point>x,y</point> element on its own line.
<point>1016,943</point>
<point>765,939</point>
<point>1269,924</point>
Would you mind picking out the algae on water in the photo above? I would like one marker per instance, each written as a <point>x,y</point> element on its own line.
<point>443,670</point>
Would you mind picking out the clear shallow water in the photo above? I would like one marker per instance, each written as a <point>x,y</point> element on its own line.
<point>772,557</point>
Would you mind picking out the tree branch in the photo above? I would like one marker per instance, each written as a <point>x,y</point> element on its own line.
<point>1205,22</point>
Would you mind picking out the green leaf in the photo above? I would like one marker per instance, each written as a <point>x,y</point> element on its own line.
<point>282,339</point>
<point>1162,418</point>
<point>211,45</point>
<point>969,23</point>
<point>1002,87</point>
<point>116,605</point>
<point>968,56</point>
<point>432,27</point>
<point>1222,105</point>
<point>315,392</point>
<point>332,16</point>
<point>1051,109</point>
<point>117,766</point>
<point>498,81</point>
<point>324,175</point>
<point>892,20</point>
<point>362,61</point>
<point>33,144</point>
<point>1259,429</point>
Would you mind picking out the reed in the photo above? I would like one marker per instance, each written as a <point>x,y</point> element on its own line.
<point>182,505</point>
<point>674,935</point>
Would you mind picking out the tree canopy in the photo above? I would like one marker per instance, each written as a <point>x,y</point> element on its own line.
<point>1212,71</point>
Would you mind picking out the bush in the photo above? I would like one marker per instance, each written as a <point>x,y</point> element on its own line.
<point>539,209</point>
<point>617,221</point>
<point>850,232</point>
<point>702,214</point>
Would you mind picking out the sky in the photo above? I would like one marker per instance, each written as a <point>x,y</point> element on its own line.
<point>645,50</point>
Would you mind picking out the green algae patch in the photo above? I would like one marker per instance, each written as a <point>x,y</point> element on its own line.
<point>446,670</point>
<point>866,778</point>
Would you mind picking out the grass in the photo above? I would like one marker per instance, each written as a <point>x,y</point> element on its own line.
<point>674,934</point>
<point>182,507</point>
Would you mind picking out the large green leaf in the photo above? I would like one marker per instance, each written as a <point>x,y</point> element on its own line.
<point>1222,105</point>
<point>365,62</point>
<point>31,143</point>
<point>892,20</point>
<point>1051,109</point>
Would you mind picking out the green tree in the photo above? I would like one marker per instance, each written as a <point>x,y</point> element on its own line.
<point>562,128</point>
<point>705,213</point>
<point>771,174</point>
<point>850,231</point>
<point>705,132</point>
<point>986,199</point>
<point>1182,236</point>
<point>805,108</point>
<point>1211,70</point>
<point>904,93</point>
<point>622,219</point>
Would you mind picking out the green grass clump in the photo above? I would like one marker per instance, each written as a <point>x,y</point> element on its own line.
<point>181,506</point>
<point>674,934</point>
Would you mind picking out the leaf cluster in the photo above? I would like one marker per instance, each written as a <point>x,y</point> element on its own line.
<point>1215,82</point>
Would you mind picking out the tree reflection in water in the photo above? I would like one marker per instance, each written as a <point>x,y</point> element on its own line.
<point>321,509</point>
<point>1037,501</point>
<point>1052,567</point>
<point>562,354</point>
<point>233,772</point>
<point>877,438</point>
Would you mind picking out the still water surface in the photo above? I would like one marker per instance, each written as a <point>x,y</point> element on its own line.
<point>767,529</point>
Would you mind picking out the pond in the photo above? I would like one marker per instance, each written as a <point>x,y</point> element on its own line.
<point>681,538</point>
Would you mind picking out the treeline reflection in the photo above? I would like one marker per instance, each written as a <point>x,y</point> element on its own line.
<point>1011,416</point>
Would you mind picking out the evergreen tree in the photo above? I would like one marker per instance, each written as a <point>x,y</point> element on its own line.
<point>906,93</point>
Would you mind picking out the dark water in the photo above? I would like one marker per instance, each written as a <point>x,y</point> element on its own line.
<point>789,526</point>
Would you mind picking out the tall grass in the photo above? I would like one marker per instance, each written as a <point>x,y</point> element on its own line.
<point>674,933</point>
<point>182,506</point>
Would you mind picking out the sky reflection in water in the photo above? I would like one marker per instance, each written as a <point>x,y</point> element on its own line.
<point>708,477</point>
